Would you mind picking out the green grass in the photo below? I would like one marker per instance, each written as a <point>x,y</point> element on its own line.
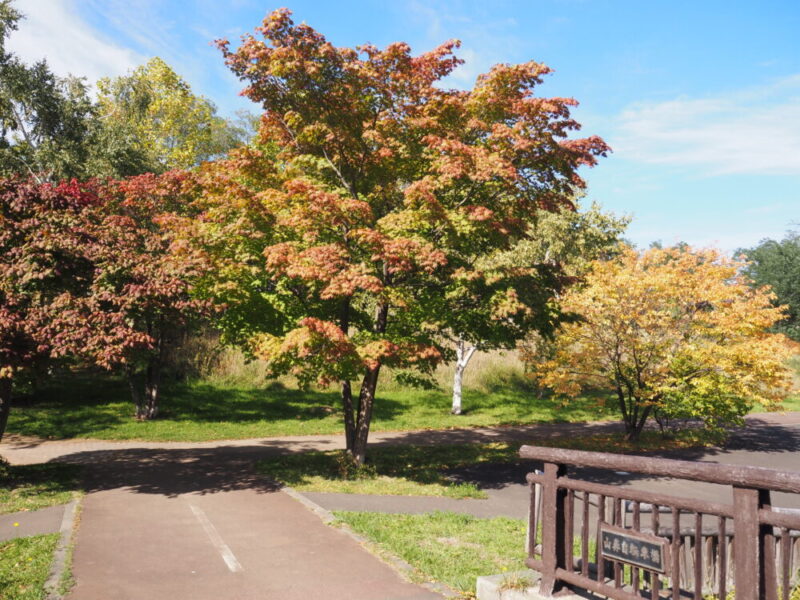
<point>31,487</point>
<point>99,407</point>
<point>86,407</point>
<point>789,404</point>
<point>449,548</point>
<point>421,470</point>
<point>400,470</point>
<point>25,566</point>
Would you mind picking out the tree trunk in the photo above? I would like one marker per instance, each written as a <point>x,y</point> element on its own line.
<point>347,391</point>
<point>357,445</point>
<point>366,401</point>
<point>5,403</point>
<point>635,423</point>
<point>349,417</point>
<point>148,409</point>
<point>464,353</point>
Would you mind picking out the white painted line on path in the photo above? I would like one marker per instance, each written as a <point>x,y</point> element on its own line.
<point>212,533</point>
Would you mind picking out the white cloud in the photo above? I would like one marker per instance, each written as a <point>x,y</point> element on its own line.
<point>753,131</point>
<point>53,30</point>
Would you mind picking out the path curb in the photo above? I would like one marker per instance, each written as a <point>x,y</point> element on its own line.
<point>61,556</point>
<point>397,563</point>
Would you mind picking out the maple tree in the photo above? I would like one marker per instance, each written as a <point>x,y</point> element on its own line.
<point>348,238</point>
<point>139,298</point>
<point>672,332</point>
<point>42,267</point>
<point>88,273</point>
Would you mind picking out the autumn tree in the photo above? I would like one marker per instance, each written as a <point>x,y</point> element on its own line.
<point>170,126</point>
<point>42,269</point>
<point>776,263</point>
<point>345,240</point>
<point>564,242</point>
<point>673,331</point>
<point>138,302</point>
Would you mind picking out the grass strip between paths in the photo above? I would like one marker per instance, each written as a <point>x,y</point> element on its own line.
<point>25,566</point>
<point>31,487</point>
<point>446,547</point>
<point>423,470</point>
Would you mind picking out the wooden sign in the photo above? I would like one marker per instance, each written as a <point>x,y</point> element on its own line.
<point>633,547</point>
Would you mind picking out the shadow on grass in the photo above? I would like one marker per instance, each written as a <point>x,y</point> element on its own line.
<point>423,465</point>
<point>31,487</point>
<point>98,405</point>
<point>89,406</point>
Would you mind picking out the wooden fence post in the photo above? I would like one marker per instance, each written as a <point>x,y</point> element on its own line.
<point>554,552</point>
<point>752,574</point>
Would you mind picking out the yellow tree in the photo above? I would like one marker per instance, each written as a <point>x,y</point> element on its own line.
<point>167,123</point>
<point>675,332</point>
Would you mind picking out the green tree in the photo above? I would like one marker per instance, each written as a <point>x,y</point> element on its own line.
<point>777,264</point>
<point>345,241</point>
<point>43,118</point>
<point>49,126</point>
<point>560,242</point>
<point>157,112</point>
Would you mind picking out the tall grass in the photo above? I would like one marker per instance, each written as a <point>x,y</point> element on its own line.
<point>204,358</point>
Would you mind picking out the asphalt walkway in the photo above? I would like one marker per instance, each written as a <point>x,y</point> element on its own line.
<point>203,526</point>
<point>35,522</point>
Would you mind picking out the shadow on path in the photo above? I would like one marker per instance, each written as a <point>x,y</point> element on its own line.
<point>173,472</point>
<point>770,440</point>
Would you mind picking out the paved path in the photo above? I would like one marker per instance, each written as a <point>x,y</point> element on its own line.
<point>35,522</point>
<point>19,450</point>
<point>171,525</point>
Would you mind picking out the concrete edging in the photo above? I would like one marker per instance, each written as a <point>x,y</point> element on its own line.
<point>397,563</point>
<point>61,554</point>
<point>519,585</point>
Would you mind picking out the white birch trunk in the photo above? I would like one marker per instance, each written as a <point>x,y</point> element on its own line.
<point>464,352</point>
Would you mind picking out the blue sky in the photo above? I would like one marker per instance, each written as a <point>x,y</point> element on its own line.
<point>699,99</point>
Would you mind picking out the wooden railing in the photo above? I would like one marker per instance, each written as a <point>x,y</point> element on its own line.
<point>630,544</point>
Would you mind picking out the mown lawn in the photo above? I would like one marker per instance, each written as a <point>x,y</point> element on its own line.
<point>449,548</point>
<point>31,487</point>
<point>423,470</point>
<point>100,408</point>
<point>25,565</point>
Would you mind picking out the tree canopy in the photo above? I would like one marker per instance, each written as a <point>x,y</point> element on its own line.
<point>155,110</point>
<point>673,333</point>
<point>777,264</point>
<point>42,268</point>
<point>352,235</point>
<point>45,120</point>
